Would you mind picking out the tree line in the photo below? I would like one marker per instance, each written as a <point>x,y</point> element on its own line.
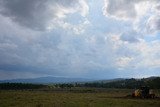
<point>153,83</point>
<point>20,86</point>
<point>127,83</point>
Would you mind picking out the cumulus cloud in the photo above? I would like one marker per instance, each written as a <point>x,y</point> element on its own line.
<point>142,14</point>
<point>122,62</point>
<point>148,54</point>
<point>75,28</point>
<point>121,9</point>
<point>127,9</point>
<point>40,14</point>
<point>153,24</point>
<point>130,36</point>
<point>148,22</point>
<point>140,55</point>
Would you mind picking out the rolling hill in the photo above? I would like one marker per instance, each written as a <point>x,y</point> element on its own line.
<point>47,80</point>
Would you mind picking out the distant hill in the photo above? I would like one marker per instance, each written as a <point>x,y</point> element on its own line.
<point>108,80</point>
<point>46,80</point>
<point>132,83</point>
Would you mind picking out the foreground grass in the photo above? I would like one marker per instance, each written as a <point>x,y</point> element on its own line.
<point>88,98</point>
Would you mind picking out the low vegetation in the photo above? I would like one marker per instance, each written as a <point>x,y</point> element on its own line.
<point>20,86</point>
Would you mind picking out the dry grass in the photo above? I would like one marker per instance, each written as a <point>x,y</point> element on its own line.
<point>73,98</point>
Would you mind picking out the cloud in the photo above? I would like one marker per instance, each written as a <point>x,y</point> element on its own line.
<point>56,52</point>
<point>122,62</point>
<point>142,14</point>
<point>153,24</point>
<point>127,9</point>
<point>130,36</point>
<point>148,22</point>
<point>74,28</point>
<point>131,56</point>
<point>40,14</point>
<point>121,9</point>
<point>65,38</point>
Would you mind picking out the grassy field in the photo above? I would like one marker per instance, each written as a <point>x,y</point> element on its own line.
<point>74,98</point>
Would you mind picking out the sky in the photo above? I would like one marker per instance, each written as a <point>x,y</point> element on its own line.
<point>100,39</point>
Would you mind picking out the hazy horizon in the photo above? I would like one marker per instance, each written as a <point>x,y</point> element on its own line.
<point>99,39</point>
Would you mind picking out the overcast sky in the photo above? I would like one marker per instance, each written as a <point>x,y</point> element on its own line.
<point>79,38</point>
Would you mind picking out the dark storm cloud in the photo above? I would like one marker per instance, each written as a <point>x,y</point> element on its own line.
<point>28,13</point>
<point>37,14</point>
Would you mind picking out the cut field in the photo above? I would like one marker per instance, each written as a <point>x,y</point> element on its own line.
<point>74,98</point>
